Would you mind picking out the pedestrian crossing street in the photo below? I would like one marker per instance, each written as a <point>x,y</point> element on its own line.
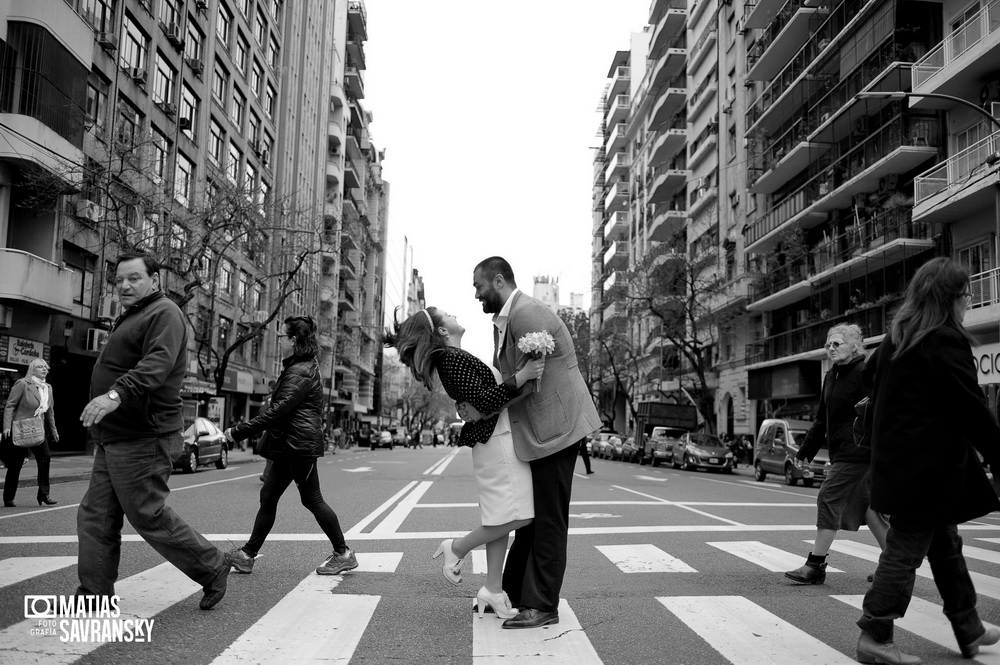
<point>753,634</point>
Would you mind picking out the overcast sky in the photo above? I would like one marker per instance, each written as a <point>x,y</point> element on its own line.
<point>487,114</point>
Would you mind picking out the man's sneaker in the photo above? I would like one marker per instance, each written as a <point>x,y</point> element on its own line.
<point>242,562</point>
<point>338,563</point>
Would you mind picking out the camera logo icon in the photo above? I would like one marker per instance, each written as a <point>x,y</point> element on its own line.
<point>40,607</point>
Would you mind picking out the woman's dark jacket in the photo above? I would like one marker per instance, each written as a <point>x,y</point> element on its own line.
<point>466,378</point>
<point>843,387</point>
<point>930,419</point>
<point>293,419</point>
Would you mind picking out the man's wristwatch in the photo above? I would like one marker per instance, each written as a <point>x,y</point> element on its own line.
<point>113,394</point>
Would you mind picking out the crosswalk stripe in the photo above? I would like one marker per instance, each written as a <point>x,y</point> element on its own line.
<point>378,562</point>
<point>479,561</point>
<point>747,634</point>
<point>22,568</point>
<point>980,553</point>
<point>395,519</point>
<point>926,619</point>
<point>564,642</point>
<point>643,559</point>
<point>308,625</point>
<point>765,556</point>
<point>985,584</point>
<point>142,597</point>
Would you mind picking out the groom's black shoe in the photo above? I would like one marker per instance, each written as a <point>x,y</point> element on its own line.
<point>530,618</point>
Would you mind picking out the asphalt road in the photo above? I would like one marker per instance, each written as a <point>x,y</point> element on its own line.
<point>665,567</point>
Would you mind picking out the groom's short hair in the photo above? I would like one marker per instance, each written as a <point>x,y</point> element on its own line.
<point>497,265</point>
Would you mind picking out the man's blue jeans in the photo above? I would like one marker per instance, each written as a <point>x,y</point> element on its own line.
<point>129,480</point>
<point>907,543</point>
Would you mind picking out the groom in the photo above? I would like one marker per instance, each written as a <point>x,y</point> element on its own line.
<point>548,427</point>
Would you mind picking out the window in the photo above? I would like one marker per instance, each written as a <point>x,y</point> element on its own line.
<point>163,80</point>
<point>251,179</point>
<point>147,232</point>
<point>244,291</point>
<point>128,127</point>
<point>731,261</point>
<point>225,327</point>
<point>275,8</point>
<point>242,52</point>
<point>135,44</point>
<point>255,350</point>
<point>239,109</point>
<point>216,139</point>
<point>274,53</point>
<point>161,148</point>
<point>193,43</point>
<point>178,237</point>
<point>266,148</point>
<point>168,13</point>
<point>258,297</point>
<point>226,271</point>
<point>977,258</point>
<point>97,101</point>
<point>224,24</point>
<point>254,133</point>
<point>242,330</point>
<point>260,27</point>
<point>245,7</point>
<point>189,111</point>
<point>99,14</point>
<point>220,82</point>
<point>233,165</point>
<point>203,321</point>
<point>183,179</point>
<point>264,192</point>
<point>205,264</point>
<point>256,78</point>
<point>269,101</point>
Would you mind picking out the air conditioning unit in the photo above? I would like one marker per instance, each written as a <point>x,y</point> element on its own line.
<point>264,156</point>
<point>260,316</point>
<point>201,5</point>
<point>6,316</point>
<point>173,33</point>
<point>107,41</point>
<point>87,209</point>
<point>138,74</point>
<point>727,105</point>
<point>255,146</point>
<point>110,308</point>
<point>168,108</point>
<point>196,66</point>
<point>184,124</point>
<point>741,27</point>
<point>96,337</point>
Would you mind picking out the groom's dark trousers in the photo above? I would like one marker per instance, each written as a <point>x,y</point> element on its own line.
<point>536,563</point>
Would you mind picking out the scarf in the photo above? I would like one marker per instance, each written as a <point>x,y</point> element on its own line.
<point>43,395</point>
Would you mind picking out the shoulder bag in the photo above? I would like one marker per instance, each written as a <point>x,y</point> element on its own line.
<point>28,432</point>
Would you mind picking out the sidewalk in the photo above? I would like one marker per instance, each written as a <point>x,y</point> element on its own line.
<point>71,468</point>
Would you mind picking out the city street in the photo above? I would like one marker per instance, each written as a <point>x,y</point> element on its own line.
<point>665,566</point>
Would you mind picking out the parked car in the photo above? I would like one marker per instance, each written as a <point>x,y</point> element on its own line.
<point>696,450</point>
<point>658,446</point>
<point>603,446</point>
<point>204,443</point>
<point>382,440</point>
<point>630,450</point>
<point>777,443</point>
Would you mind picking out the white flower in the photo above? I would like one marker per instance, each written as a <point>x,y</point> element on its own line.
<point>537,343</point>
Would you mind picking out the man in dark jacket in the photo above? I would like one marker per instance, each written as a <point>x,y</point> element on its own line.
<point>136,420</point>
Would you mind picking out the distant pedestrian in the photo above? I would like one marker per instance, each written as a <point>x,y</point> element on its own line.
<point>585,454</point>
<point>292,431</point>
<point>136,416</point>
<point>930,420</point>
<point>30,398</point>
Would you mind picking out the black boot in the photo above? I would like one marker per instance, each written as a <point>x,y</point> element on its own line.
<point>814,572</point>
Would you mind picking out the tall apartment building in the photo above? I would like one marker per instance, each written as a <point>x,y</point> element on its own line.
<point>835,231</point>
<point>191,129</point>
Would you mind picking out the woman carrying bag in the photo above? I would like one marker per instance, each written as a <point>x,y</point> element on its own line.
<point>28,423</point>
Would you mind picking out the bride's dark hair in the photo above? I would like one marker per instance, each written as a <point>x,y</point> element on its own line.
<point>418,343</point>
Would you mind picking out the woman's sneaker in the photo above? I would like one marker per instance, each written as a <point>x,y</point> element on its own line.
<point>242,562</point>
<point>338,563</point>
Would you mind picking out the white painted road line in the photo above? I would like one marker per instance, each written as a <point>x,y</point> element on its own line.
<point>679,505</point>
<point>308,625</point>
<point>378,562</point>
<point>143,596</point>
<point>564,642</point>
<point>747,634</point>
<point>438,468</point>
<point>643,559</point>
<point>23,568</point>
<point>479,561</point>
<point>765,556</point>
<point>927,620</point>
<point>356,530</point>
<point>395,519</point>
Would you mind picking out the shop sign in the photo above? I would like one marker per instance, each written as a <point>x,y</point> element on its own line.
<point>216,405</point>
<point>987,358</point>
<point>20,351</point>
<point>237,381</point>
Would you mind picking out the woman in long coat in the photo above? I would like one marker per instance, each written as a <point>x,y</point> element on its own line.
<point>30,396</point>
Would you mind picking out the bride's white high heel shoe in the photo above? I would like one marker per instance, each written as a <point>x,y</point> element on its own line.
<point>498,601</point>
<point>452,564</point>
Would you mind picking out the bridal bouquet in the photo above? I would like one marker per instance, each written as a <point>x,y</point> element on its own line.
<point>537,345</point>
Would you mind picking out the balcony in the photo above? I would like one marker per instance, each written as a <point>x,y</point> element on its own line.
<point>666,182</point>
<point>616,138</point>
<point>703,148</point>
<point>778,288</point>
<point>619,82</point>
<point>614,285</point>
<point>954,188</point>
<point>782,38</point>
<point>700,198</point>
<point>617,167</point>
<point>616,258</point>
<point>26,139</point>
<point>705,45</point>
<point>334,173</point>
<point>666,223</point>
<point>334,135</point>
<point>785,163</point>
<point>667,144</point>
<point>618,110</point>
<point>31,279</point>
<point>357,18</point>
<point>617,227</point>
<point>671,100</point>
<point>617,197</point>
<point>614,312</point>
<point>985,306</point>
<point>354,82</point>
<point>669,23</point>
<point>670,62</point>
<point>700,98</point>
<point>964,59</point>
<point>356,49</point>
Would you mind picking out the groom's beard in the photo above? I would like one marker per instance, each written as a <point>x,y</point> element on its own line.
<point>492,303</point>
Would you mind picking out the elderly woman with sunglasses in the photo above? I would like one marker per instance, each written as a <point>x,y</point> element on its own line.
<point>842,502</point>
<point>292,425</point>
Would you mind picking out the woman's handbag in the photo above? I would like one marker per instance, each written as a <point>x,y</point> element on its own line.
<point>28,432</point>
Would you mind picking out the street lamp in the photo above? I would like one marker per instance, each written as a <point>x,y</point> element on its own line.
<point>991,160</point>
